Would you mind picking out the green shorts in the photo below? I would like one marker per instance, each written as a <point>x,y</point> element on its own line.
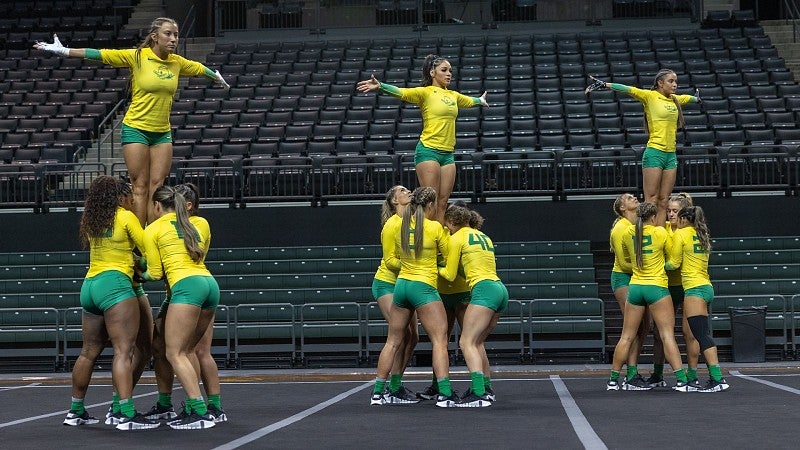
<point>677,294</point>
<point>381,288</point>
<point>197,290</point>
<point>619,280</point>
<point>451,301</point>
<point>491,294</point>
<point>104,290</point>
<point>413,294</point>
<point>132,135</point>
<point>646,294</point>
<point>655,158</point>
<point>706,292</point>
<point>443,157</point>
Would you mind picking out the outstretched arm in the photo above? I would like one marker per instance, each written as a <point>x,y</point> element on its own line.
<point>58,48</point>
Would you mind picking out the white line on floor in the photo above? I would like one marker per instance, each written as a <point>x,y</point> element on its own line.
<point>583,429</point>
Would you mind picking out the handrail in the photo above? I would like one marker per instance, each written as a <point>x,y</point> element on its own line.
<point>107,118</point>
<point>187,29</point>
<point>793,12</point>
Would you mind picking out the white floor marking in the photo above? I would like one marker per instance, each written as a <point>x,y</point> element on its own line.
<point>583,429</point>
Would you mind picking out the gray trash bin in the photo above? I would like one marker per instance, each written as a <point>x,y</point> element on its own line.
<point>748,333</point>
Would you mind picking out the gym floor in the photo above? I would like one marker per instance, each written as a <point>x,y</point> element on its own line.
<point>537,407</point>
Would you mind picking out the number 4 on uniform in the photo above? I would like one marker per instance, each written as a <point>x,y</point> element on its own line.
<point>480,239</point>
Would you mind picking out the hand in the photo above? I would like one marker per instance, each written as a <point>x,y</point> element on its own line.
<point>368,85</point>
<point>483,99</point>
<point>56,47</point>
<point>697,96</point>
<point>222,80</point>
<point>595,85</point>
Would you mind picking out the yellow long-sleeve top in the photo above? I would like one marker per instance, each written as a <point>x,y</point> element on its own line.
<point>475,251</point>
<point>166,252</point>
<point>390,249</point>
<point>435,240</point>
<point>673,276</point>
<point>439,109</point>
<point>154,82</point>
<point>654,246</point>
<point>685,252</point>
<point>113,251</point>
<point>661,112</point>
<point>619,242</point>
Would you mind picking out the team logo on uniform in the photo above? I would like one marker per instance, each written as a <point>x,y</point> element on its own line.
<point>163,73</point>
<point>448,101</point>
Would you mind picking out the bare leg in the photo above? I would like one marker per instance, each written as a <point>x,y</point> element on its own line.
<point>144,339</point>
<point>398,325</point>
<point>122,323</point>
<point>165,377</point>
<point>621,295</point>
<point>696,306</point>
<point>434,320</point>
<point>94,341</point>
<point>479,321</point>
<point>185,325</point>
<point>664,317</point>
<point>429,174</point>
<point>160,163</point>
<point>209,372</point>
<point>137,160</point>
<point>631,319</point>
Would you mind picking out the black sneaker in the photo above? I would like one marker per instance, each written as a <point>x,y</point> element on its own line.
<point>74,419</point>
<point>612,385</point>
<point>180,416</point>
<point>443,401</point>
<point>490,394</point>
<point>402,397</point>
<point>137,422</point>
<point>114,418</point>
<point>656,381</point>
<point>637,383</point>
<point>192,421</point>
<point>715,386</point>
<point>160,412</point>
<point>429,393</point>
<point>473,400</point>
<point>680,386</point>
<point>218,414</point>
<point>377,399</point>
<point>694,386</point>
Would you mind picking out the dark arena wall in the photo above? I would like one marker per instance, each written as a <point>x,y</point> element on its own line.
<point>339,224</point>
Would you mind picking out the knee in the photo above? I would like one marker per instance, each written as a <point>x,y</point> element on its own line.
<point>701,331</point>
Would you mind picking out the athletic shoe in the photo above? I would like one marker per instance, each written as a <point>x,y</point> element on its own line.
<point>218,414</point>
<point>137,422</point>
<point>74,419</point>
<point>110,420</point>
<point>715,386</point>
<point>680,386</point>
<point>695,386</point>
<point>377,399</point>
<point>443,401</point>
<point>160,412</point>
<point>490,394</point>
<point>637,383</point>
<point>192,421</point>
<point>612,385</point>
<point>656,381</point>
<point>402,397</point>
<point>181,415</point>
<point>429,393</point>
<point>473,400</point>
<point>114,418</point>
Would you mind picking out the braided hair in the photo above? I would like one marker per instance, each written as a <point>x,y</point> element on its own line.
<point>430,63</point>
<point>660,76</point>
<point>420,198</point>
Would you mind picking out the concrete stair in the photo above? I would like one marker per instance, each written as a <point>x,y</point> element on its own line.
<point>781,33</point>
<point>144,13</point>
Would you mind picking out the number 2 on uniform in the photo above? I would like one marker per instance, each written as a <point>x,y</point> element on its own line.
<point>647,240</point>
<point>480,239</point>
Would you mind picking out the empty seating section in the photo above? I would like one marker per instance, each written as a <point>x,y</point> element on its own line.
<point>293,304</point>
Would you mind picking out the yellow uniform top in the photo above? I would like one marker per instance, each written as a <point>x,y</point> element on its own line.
<point>475,251</point>
<point>619,242</point>
<point>166,252</point>
<point>390,249</point>
<point>662,116</point>
<point>685,252</point>
<point>457,286</point>
<point>673,276</point>
<point>435,240</point>
<point>439,109</point>
<point>113,250</point>
<point>654,243</point>
<point>154,82</point>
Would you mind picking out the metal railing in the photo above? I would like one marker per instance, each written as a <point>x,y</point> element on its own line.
<point>792,11</point>
<point>187,29</point>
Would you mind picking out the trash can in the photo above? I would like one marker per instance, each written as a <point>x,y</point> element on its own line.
<point>748,333</point>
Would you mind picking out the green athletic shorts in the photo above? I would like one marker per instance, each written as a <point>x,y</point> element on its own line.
<point>132,135</point>
<point>451,301</point>
<point>197,290</point>
<point>677,294</point>
<point>642,294</point>
<point>706,292</point>
<point>655,158</point>
<point>619,280</point>
<point>413,294</point>
<point>491,294</point>
<point>423,153</point>
<point>381,288</point>
<point>104,290</point>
